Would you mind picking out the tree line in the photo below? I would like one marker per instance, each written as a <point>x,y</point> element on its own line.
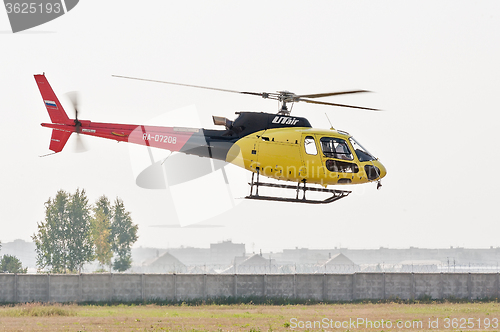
<point>75,232</point>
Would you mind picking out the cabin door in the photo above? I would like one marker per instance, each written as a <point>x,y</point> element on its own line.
<point>312,166</point>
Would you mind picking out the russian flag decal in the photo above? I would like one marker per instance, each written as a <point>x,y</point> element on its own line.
<point>50,103</point>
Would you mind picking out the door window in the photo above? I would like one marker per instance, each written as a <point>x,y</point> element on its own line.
<point>310,145</point>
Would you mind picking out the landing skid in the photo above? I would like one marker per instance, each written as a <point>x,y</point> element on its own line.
<point>336,194</point>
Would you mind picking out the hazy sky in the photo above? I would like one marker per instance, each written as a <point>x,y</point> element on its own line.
<point>432,66</point>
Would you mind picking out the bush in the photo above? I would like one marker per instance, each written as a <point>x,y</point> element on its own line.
<point>10,264</point>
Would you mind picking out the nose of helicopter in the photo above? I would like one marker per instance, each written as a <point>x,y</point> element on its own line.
<point>383,170</point>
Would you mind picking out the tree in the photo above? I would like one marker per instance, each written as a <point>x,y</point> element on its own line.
<point>79,239</point>
<point>123,235</point>
<point>113,233</point>
<point>70,237</point>
<point>50,250</point>
<point>104,204</point>
<point>11,264</point>
<point>63,242</point>
<point>101,231</point>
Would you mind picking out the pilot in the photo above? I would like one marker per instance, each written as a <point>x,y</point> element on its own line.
<point>342,152</point>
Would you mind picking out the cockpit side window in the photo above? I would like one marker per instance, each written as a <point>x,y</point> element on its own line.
<point>335,148</point>
<point>310,145</point>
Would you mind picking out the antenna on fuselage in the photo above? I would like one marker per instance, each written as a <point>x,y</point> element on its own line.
<point>331,127</point>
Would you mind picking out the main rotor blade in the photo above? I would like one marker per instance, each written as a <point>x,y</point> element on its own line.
<point>283,96</point>
<point>319,95</point>
<point>190,85</point>
<point>341,105</point>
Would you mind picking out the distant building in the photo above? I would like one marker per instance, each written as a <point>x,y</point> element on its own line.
<point>339,264</point>
<point>166,263</point>
<point>141,255</point>
<point>192,256</point>
<point>303,260</point>
<point>420,266</point>
<point>303,256</point>
<point>223,253</point>
<point>253,264</point>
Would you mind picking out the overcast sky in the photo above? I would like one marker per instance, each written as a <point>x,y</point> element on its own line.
<point>433,68</point>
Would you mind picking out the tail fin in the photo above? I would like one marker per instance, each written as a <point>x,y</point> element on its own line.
<point>54,107</point>
<point>57,115</point>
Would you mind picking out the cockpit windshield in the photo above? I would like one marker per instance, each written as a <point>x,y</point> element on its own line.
<point>361,152</point>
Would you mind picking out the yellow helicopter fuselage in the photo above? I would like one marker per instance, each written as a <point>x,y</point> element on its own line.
<point>325,157</point>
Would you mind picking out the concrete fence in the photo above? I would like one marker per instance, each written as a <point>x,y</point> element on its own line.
<point>180,287</point>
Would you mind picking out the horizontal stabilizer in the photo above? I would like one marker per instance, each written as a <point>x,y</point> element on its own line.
<point>58,140</point>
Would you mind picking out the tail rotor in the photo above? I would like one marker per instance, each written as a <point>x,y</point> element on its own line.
<point>73,97</point>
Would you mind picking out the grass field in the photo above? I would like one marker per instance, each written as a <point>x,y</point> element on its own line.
<point>482,316</point>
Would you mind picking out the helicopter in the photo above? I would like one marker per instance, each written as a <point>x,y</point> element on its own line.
<point>274,145</point>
